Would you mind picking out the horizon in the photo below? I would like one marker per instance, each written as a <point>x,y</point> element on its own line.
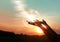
<point>13,12</point>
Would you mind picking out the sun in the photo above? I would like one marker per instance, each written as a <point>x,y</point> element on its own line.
<point>39,31</point>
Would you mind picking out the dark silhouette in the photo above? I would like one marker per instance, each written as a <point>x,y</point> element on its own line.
<point>51,34</point>
<point>11,37</point>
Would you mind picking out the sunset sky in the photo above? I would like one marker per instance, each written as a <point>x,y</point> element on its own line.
<point>12,14</point>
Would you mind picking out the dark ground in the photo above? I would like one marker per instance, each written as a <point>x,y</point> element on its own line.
<point>11,37</point>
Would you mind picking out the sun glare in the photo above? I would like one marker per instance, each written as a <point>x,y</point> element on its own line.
<point>39,31</point>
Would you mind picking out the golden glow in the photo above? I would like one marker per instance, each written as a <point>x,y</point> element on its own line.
<point>39,31</point>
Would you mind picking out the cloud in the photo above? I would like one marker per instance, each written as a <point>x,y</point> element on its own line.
<point>21,8</point>
<point>19,5</point>
<point>16,22</point>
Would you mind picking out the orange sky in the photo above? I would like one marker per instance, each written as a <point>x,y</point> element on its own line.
<point>19,24</point>
<point>12,16</point>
